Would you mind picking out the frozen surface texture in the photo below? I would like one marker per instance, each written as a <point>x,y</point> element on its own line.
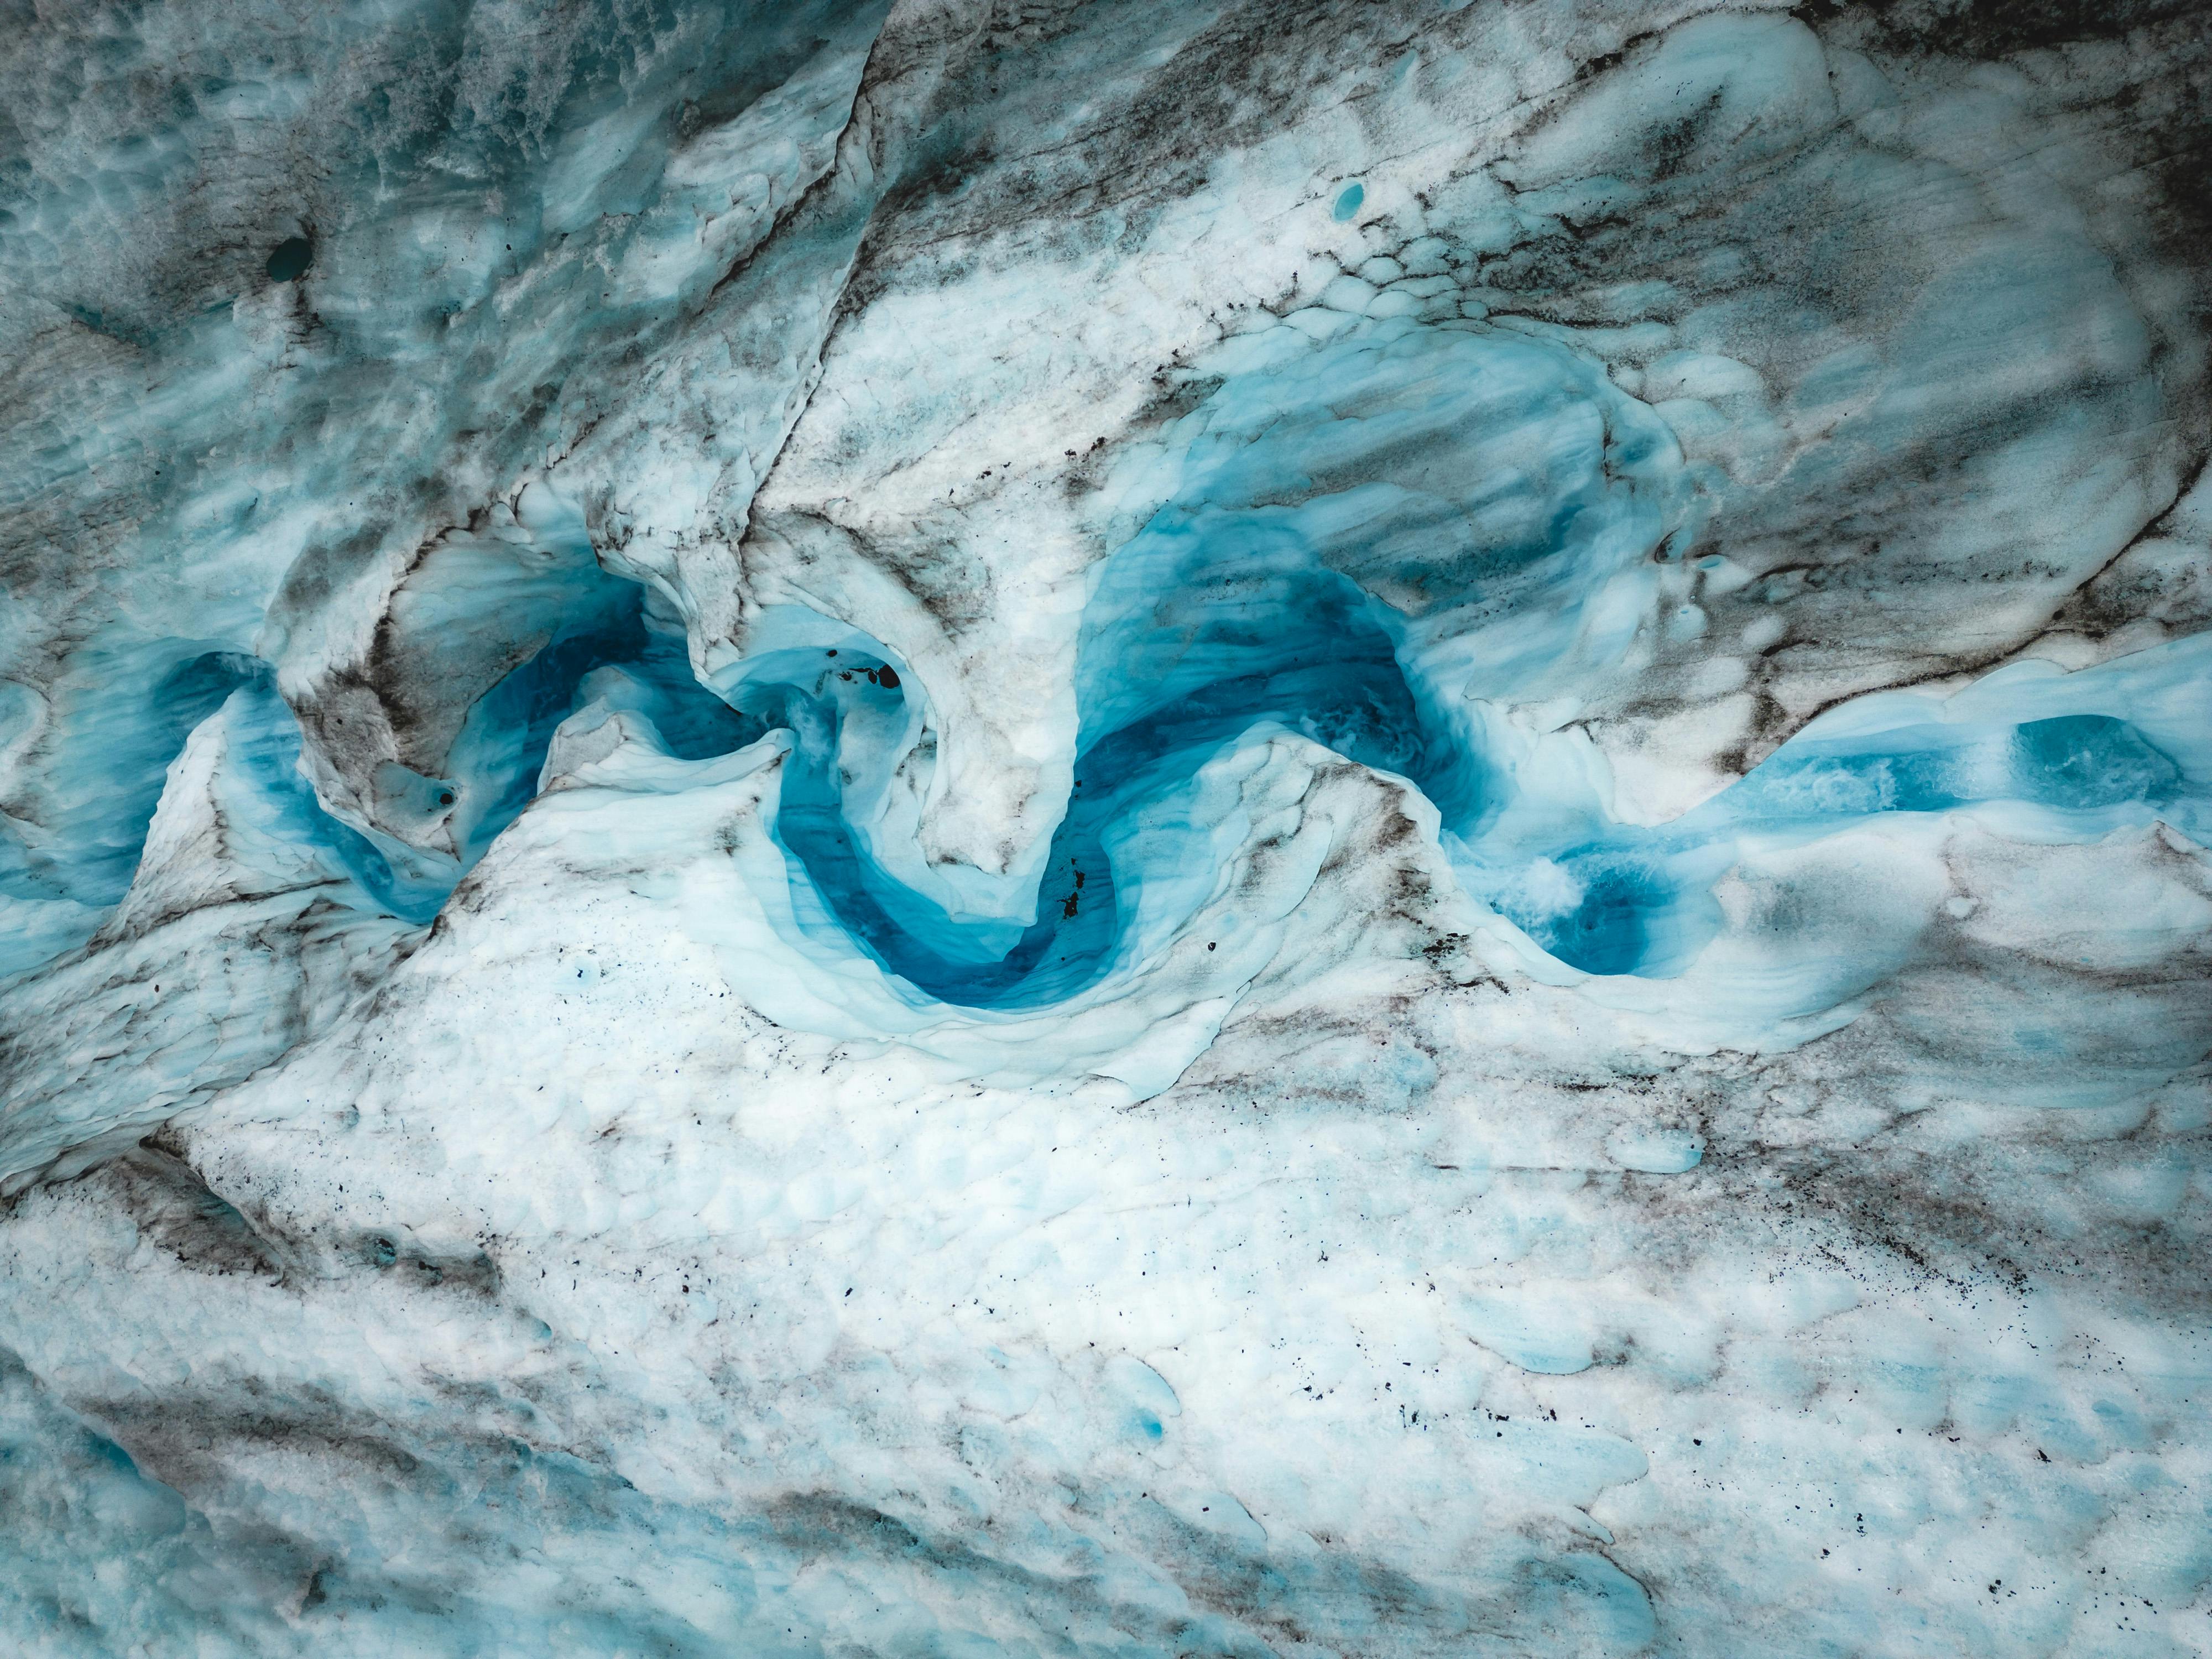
<point>1164,827</point>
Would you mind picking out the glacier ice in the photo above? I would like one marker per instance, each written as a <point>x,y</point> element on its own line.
<point>1068,826</point>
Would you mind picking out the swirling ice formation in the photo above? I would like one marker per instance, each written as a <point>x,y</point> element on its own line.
<point>1364,542</point>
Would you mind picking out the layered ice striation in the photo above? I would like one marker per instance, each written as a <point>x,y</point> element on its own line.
<point>1099,827</point>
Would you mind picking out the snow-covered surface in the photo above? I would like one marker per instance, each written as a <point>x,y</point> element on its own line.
<point>974,827</point>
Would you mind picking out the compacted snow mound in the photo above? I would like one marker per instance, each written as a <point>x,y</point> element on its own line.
<point>954,828</point>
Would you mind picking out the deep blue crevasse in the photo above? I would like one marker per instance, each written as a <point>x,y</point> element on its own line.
<point>1324,666</point>
<point>1306,488</point>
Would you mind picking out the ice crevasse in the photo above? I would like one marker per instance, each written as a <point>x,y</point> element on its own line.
<point>1098,828</point>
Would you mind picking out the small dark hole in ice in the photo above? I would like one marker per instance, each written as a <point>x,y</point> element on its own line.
<point>887,676</point>
<point>291,258</point>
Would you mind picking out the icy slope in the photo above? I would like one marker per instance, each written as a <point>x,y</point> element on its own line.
<point>1104,828</point>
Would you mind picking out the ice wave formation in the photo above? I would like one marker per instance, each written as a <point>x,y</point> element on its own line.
<point>1089,827</point>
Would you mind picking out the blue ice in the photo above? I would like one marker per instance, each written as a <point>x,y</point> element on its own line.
<point>1317,508</point>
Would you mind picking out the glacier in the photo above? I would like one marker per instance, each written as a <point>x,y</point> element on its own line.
<point>973,827</point>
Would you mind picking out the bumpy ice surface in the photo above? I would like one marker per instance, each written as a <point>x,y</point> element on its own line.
<point>1012,827</point>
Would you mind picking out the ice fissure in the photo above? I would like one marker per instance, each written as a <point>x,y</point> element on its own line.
<point>1088,827</point>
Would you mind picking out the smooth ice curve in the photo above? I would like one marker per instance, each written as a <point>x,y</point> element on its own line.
<point>1505,494</point>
